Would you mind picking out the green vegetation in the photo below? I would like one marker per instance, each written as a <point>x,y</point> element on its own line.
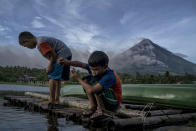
<point>16,73</point>
<point>23,75</point>
<point>165,78</point>
<point>26,76</point>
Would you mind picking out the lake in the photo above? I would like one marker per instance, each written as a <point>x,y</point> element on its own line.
<point>17,119</point>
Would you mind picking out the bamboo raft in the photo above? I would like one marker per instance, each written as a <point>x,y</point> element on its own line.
<point>128,117</point>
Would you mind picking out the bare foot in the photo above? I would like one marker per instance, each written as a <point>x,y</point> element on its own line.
<point>57,102</point>
<point>96,114</point>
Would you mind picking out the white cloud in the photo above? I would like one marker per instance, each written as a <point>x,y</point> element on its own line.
<point>72,7</point>
<point>3,28</point>
<point>36,23</point>
<point>54,21</point>
<point>81,34</point>
<point>20,56</point>
<point>130,16</point>
<point>37,17</point>
<point>78,23</point>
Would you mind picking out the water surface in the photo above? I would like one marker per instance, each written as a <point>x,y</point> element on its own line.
<point>17,119</point>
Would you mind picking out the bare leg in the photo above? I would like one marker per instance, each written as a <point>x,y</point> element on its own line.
<point>100,104</point>
<point>93,105</point>
<point>52,84</point>
<point>92,101</point>
<point>57,91</point>
<point>52,89</point>
<point>100,108</point>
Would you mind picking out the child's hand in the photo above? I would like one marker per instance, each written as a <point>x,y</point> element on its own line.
<point>60,60</point>
<point>63,61</point>
<point>48,69</point>
<point>74,74</point>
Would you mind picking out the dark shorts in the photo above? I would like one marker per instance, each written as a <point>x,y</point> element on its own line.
<point>60,72</point>
<point>107,95</point>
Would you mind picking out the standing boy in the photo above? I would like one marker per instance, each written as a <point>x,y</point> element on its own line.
<point>102,86</point>
<point>52,49</point>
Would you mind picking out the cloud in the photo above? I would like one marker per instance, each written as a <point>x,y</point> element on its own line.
<point>36,23</point>
<point>111,26</point>
<point>3,28</point>
<point>19,56</point>
<point>4,31</point>
<point>127,17</point>
<point>173,26</point>
<point>54,21</point>
<point>82,34</point>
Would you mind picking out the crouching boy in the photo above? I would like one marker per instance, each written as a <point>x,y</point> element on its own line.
<point>102,85</point>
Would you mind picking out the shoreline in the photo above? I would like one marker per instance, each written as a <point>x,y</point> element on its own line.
<point>27,84</point>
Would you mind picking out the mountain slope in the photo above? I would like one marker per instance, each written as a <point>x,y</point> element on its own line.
<point>148,57</point>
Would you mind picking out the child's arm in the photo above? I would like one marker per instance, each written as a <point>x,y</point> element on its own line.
<point>52,58</point>
<point>47,51</point>
<point>72,63</point>
<point>88,88</point>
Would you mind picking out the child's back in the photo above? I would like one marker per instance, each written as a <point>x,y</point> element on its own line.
<point>58,46</point>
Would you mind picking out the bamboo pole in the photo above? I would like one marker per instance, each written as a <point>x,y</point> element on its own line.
<point>69,101</point>
<point>112,123</point>
<point>164,112</point>
<point>140,107</point>
<point>84,104</point>
<point>147,122</point>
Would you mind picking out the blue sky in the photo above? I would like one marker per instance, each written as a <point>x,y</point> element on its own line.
<point>109,25</point>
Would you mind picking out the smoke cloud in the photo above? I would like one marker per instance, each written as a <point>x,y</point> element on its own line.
<point>12,55</point>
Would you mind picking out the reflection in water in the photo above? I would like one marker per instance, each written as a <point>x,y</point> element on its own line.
<point>16,119</point>
<point>52,123</point>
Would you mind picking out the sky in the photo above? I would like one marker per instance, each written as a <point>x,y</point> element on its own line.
<point>108,25</point>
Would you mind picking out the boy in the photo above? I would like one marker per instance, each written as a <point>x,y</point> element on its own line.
<point>52,49</point>
<point>102,86</point>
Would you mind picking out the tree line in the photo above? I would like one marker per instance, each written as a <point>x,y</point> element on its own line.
<point>17,73</point>
<point>165,78</point>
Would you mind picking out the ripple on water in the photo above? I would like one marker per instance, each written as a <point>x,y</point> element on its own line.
<point>17,119</point>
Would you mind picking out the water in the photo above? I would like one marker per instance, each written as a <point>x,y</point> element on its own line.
<point>17,119</point>
<point>23,88</point>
